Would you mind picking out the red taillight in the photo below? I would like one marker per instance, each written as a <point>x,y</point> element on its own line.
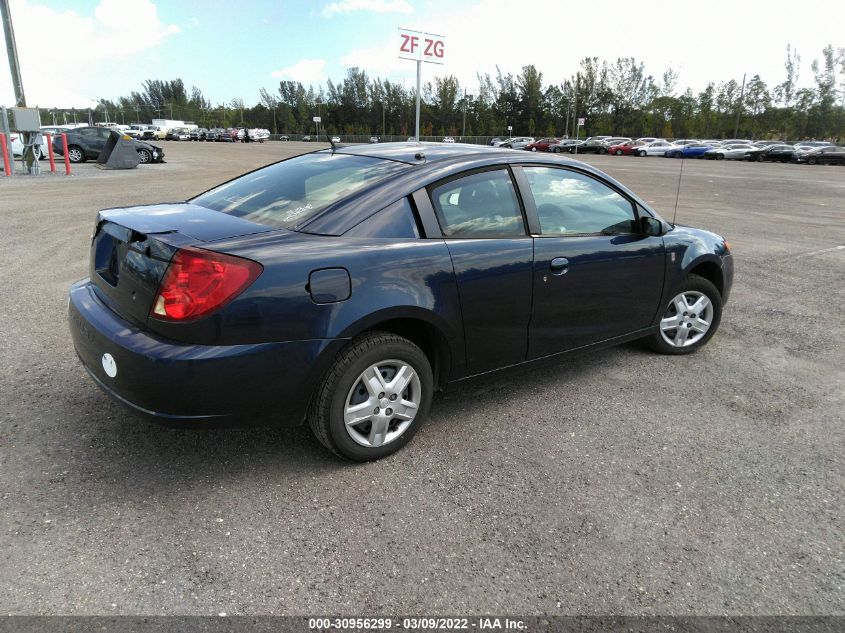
<point>198,282</point>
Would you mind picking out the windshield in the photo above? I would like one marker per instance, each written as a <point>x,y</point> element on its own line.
<point>286,194</point>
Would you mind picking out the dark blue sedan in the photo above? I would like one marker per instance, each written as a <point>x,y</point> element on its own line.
<point>342,288</point>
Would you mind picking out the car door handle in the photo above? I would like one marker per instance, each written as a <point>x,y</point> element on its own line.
<point>559,265</point>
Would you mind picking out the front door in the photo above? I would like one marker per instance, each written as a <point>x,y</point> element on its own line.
<point>595,276</point>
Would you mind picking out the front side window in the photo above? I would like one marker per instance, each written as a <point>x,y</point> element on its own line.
<point>571,203</point>
<point>288,193</point>
<point>482,204</point>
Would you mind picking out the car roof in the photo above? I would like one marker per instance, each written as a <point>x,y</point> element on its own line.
<point>407,152</point>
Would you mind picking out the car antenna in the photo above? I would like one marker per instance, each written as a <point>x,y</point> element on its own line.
<point>678,192</point>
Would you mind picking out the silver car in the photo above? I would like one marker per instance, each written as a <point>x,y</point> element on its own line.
<point>731,151</point>
<point>517,142</point>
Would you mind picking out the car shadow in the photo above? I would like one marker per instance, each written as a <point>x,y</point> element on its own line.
<point>131,452</point>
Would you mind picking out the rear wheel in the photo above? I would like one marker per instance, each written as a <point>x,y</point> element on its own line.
<point>75,154</point>
<point>641,153</point>
<point>719,157</point>
<point>618,152</point>
<point>373,399</point>
<point>602,150</point>
<point>760,158</point>
<point>811,161</point>
<point>690,319</point>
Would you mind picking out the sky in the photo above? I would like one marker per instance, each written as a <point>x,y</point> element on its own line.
<point>73,52</point>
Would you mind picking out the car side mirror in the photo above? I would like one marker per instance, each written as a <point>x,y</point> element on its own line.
<point>652,227</point>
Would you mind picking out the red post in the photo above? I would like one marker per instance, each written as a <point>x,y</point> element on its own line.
<point>5,149</point>
<point>50,152</point>
<point>64,149</point>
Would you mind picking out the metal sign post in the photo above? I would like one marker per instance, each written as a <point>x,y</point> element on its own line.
<point>421,47</point>
<point>578,132</point>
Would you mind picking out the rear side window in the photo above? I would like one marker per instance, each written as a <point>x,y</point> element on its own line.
<point>288,193</point>
<point>394,221</point>
<point>483,204</point>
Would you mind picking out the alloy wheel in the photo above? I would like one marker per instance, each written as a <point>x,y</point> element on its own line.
<point>687,319</point>
<point>382,403</point>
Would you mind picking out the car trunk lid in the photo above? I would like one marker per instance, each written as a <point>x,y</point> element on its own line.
<point>132,247</point>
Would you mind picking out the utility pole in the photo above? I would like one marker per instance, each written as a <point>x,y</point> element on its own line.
<point>739,106</point>
<point>12,53</point>
<point>383,128</point>
<point>464,131</point>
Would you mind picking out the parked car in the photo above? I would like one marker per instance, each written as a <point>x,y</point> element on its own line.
<point>16,143</point>
<point>542,145</point>
<point>154,133</point>
<point>830,155</point>
<point>178,134</point>
<point>781,153</point>
<point>685,141</point>
<point>374,139</point>
<point>693,150</point>
<point>648,139</point>
<point>227,135</point>
<point>495,141</point>
<point>86,143</point>
<point>198,134</point>
<point>278,294</point>
<point>517,142</point>
<point>213,134</point>
<point>260,134</point>
<point>448,139</point>
<point>617,140</point>
<point>625,149</point>
<point>136,130</point>
<point>654,148</point>
<point>730,151</point>
<point>593,146</point>
<point>306,138</point>
<point>564,145</point>
<point>335,139</point>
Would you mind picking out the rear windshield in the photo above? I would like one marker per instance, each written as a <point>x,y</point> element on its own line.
<point>288,193</point>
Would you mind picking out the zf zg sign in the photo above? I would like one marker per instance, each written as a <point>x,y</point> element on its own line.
<point>419,46</point>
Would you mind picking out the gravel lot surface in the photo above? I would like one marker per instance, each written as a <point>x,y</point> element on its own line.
<point>618,483</point>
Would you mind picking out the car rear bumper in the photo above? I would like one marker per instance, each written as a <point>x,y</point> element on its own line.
<point>193,385</point>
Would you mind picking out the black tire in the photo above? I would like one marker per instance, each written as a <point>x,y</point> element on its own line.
<point>692,283</point>
<point>811,161</point>
<point>571,150</point>
<point>761,158</point>
<point>325,413</point>
<point>719,157</point>
<point>602,150</point>
<point>641,153</point>
<point>619,152</point>
<point>145,155</point>
<point>75,154</point>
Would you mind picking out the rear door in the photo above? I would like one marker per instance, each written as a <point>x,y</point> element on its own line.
<point>481,220</point>
<point>595,276</point>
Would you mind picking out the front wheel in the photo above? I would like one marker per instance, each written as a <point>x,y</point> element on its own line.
<point>373,399</point>
<point>145,156</point>
<point>641,153</point>
<point>691,318</point>
<point>75,154</point>
<point>618,152</point>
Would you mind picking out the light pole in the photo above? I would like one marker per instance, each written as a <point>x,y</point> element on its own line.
<point>12,52</point>
<point>464,130</point>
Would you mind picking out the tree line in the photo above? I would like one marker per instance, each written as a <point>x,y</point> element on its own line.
<point>617,97</point>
